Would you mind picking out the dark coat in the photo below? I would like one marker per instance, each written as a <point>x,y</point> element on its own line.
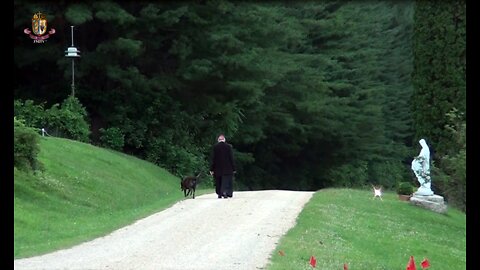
<point>222,162</point>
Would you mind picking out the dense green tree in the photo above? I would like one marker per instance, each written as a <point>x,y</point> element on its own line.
<point>311,94</point>
<point>345,91</point>
<point>440,90</point>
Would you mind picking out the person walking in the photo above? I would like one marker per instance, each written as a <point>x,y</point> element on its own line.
<point>222,167</point>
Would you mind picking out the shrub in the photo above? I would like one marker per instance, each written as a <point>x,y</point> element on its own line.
<point>386,172</point>
<point>405,188</point>
<point>112,138</point>
<point>68,120</point>
<point>450,172</point>
<point>32,115</point>
<point>354,174</point>
<point>178,160</point>
<point>26,147</point>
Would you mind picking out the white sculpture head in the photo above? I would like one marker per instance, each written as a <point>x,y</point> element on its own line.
<point>423,143</point>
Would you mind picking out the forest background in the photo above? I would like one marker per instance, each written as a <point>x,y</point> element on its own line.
<point>311,94</point>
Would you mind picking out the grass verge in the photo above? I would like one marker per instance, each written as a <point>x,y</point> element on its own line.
<point>85,192</point>
<point>340,226</point>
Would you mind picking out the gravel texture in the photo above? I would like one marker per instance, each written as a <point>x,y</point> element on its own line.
<point>201,233</point>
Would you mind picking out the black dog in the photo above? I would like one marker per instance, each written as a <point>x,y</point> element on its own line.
<point>189,184</point>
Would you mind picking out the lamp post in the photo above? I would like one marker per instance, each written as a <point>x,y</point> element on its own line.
<point>72,52</point>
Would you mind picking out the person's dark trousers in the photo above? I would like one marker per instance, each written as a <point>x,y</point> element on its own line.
<point>227,185</point>
<point>218,185</point>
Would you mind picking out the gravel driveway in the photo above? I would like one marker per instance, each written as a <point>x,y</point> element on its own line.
<point>201,233</point>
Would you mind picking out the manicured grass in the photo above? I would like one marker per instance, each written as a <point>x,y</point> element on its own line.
<point>342,226</point>
<point>85,192</point>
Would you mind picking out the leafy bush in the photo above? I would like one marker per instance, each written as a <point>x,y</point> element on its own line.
<point>31,114</point>
<point>26,147</point>
<point>449,172</point>
<point>112,138</point>
<point>387,172</point>
<point>68,120</point>
<point>354,174</point>
<point>405,188</point>
<point>177,159</point>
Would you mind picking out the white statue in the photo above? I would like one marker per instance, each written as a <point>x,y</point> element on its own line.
<point>421,168</point>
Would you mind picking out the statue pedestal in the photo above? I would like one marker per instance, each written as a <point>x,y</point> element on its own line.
<point>431,202</point>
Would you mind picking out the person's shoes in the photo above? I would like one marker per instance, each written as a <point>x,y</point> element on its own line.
<point>219,196</point>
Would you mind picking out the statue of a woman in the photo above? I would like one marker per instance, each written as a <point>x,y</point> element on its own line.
<point>421,168</point>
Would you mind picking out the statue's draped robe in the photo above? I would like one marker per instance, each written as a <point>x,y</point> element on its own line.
<point>421,168</point>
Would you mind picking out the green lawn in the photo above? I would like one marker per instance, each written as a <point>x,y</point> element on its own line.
<point>342,226</point>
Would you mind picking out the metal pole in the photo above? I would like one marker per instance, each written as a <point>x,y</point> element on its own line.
<point>73,68</point>
<point>72,34</point>
<point>73,77</point>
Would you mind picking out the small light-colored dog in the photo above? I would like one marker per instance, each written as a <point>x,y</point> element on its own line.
<point>377,192</point>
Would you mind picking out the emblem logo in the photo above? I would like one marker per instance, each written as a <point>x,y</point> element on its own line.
<point>39,28</point>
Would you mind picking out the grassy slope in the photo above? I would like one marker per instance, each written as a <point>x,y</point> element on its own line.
<point>346,226</point>
<point>84,192</point>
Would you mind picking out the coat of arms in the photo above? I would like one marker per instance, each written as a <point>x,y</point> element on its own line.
<point>39,28</point>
